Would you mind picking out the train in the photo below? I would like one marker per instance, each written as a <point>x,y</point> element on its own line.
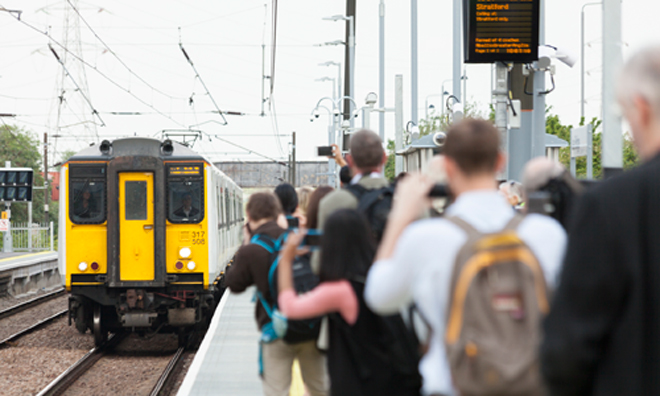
<point>147,229</point>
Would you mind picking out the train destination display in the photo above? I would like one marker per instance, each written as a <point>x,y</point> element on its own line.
<point>501,31</point>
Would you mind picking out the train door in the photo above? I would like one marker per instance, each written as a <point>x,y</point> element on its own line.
<point>136,226</point>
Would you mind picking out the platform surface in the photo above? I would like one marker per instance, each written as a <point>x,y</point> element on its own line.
<point>227,361</point>
<point>19,259</point>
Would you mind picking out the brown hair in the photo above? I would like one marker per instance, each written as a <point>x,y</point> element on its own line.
<point>474,145</point>
<point>263,205</point>
<point>366,150</point>
<point>313,206</point>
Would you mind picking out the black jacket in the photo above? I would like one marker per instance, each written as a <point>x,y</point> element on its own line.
<point>602,336</point>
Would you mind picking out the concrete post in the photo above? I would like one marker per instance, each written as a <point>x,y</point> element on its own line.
<point>381,70</point>
<point>500,92</point>
<point>398,124</point>
<point>457,48</point>
<point>612,63</point>
<point>413,63</point>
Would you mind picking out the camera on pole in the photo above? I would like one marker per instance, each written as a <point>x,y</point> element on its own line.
<point>16,184</point>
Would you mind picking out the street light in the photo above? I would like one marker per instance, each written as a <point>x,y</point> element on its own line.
<point>426,102</point>
<point>351,48</point>
<point>338,64</point>
<point>582,57</point>
<point>444,92</point>
<point>323,79</point>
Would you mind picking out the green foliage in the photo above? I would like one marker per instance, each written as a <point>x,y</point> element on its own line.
<point>390,170</point>
<point>21,147</point>
<point>554,126</point>
<point>437,122</point>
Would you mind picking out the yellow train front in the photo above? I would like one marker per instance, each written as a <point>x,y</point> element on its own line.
<point>146,231</point>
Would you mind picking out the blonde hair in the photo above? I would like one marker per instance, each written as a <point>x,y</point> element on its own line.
<point>303,198</point>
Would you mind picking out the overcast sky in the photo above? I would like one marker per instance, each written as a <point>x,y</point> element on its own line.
<point>149,74</point>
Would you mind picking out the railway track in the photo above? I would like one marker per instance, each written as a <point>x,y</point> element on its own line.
<point>69,377</point>
<point>16,309</point>
<point>13,310</point>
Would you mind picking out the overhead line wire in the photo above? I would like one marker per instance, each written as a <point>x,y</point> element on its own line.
<point>98,71</point>
<point>117,56</point>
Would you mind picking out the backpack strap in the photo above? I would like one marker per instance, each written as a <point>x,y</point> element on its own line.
<point>472,233</point>
<point>514,223</point>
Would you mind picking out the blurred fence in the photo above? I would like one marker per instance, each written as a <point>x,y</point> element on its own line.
<point>37,238</point>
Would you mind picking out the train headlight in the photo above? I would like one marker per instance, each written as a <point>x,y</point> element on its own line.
<point>191,265</point>
<point>82,266</point>
<point>185,252</point>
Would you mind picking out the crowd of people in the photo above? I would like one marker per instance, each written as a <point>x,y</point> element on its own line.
<point>453,282</point>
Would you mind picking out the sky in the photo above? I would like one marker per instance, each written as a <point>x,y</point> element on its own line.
<point>139,82</point>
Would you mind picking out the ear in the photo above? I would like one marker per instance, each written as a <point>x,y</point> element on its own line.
<point>500,163</point>
<point>450,167</point>
<point>644,113</point>
<point>349,159</point>
<point>384,161</point>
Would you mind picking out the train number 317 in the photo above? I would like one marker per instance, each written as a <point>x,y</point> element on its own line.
<point>198,238</point>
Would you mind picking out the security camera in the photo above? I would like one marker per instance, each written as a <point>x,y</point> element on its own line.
<point>549,52</point>
<point>567,56</point>
<point>414,132</point>
<point>439,139</point>
<point>371,99</point>
<point>316,113</point>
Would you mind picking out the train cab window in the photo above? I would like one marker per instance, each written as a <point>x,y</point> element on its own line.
<point>87,194</point>
<point>185,189</point>
<point>136,200</point>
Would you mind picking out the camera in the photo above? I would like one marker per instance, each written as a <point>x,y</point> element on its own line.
<point>312,239</point>
<point>324,151</point>
<point>293,222</point>
<point>439,191</point>
<point>439,139</point>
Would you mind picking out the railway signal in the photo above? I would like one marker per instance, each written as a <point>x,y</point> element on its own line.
<point>16,184</point>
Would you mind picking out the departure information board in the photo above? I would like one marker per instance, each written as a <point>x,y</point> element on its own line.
<point>501,31</point>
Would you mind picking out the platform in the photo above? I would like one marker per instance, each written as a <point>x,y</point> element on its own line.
<point>226,363</point>
<point>23,273</point>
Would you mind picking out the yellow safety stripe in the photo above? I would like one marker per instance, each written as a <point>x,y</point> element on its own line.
<point>186,283</point>
<point>86,283</point>
<point>24,256</point>
<point>474,266</point>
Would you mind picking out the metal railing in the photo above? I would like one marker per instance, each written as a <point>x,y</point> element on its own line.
<point>34,238</point>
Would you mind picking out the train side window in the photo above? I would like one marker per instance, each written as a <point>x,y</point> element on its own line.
<point>87,194</point>
<point>185,203</point>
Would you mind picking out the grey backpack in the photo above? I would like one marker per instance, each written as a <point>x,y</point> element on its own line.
<point>498,300</point>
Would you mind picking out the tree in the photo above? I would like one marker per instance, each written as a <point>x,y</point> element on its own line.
<point>440,123</point>
<point>554,126</point>
<point>390,165</point>
<point>21,147</point>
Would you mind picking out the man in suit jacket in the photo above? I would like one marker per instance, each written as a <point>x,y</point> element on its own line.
<point>603,331</point>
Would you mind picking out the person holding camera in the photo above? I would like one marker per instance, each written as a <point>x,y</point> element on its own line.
<point>251,266</point>
<point>416,260</point>
<point>602,335</point>
<point>358,362</point>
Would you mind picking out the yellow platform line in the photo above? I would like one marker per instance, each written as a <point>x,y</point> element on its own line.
<point>24,256</point>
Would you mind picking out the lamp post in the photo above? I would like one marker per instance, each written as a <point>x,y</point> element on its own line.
<point>338,64</point>
<point>334,87</point>
<point>426,102</point>
<point>582,57</point>
<point>444,92</point>
<point>332,127</point>
<point>351,57</point>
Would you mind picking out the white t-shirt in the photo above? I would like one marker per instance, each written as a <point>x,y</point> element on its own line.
<point>421,268</point>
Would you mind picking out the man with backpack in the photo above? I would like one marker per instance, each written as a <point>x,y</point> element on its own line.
<point>478,275</point>
<point>366,159</point>
<point>253,265</point>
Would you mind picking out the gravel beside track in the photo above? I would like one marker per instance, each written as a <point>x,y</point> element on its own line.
<point>133,368</point>
<point>33,361</point>
<point>30,316</point>
<point>10,301</point>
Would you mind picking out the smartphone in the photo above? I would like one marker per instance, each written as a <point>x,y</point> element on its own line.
<point>439,191</point>
<point>324,151</point>
<point>312,239</point>
<point>293,222</point>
